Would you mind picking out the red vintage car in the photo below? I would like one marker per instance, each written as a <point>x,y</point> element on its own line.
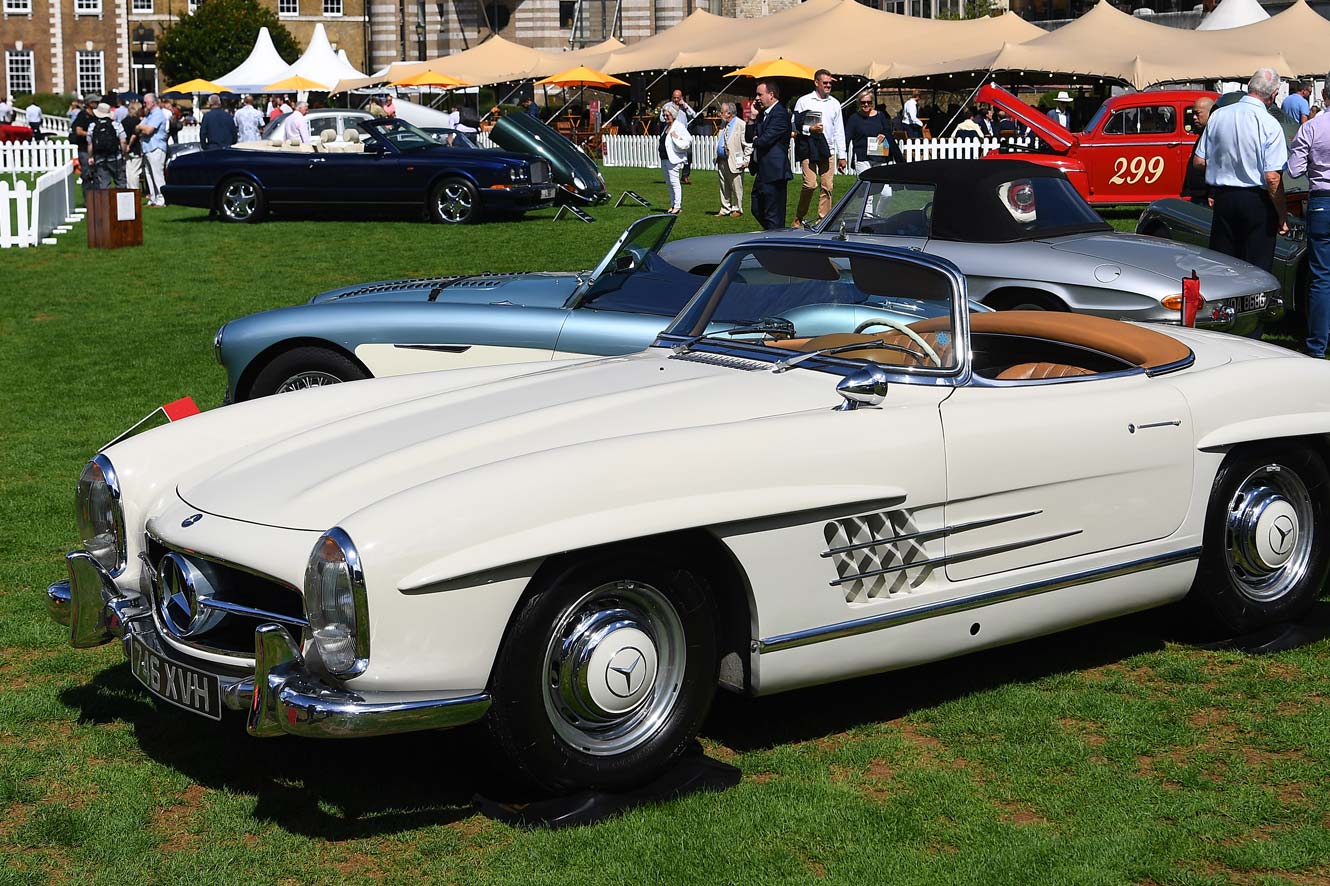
<point>9,133</point>
<point>1134,150</point>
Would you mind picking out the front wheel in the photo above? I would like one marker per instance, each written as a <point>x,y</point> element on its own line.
<point>455,201</point>
<point>1265,556</point>
<point>300,368</point>
<point>606,674</point>
<point>241,200</point>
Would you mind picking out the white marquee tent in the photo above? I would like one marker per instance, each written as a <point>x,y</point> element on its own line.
<point>1233,14</point>
<point>263,66</point>
<point>320,63</point>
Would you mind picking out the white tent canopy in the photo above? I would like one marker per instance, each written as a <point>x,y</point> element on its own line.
<point>320,63</point>
<point>263,66</point>
<point>1233,14</point>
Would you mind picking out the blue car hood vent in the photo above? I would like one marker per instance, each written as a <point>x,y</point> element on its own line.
<point>398,285</point>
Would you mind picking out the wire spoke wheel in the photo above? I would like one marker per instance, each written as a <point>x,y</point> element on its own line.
<point>311,379</point>
<point>1269,533</point>
<point>614,667</point>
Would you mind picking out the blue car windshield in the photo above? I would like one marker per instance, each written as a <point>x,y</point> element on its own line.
<point>401,134</point>
<point>820,297</point>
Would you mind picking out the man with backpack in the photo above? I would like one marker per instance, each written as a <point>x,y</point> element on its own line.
<point>106,149</point>
<point>79,130</point>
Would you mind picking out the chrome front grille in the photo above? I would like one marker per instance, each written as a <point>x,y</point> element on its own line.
<point>225,604</point>
<point>540,172</point>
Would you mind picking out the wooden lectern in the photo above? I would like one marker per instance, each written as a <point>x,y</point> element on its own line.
<point>115,218</point>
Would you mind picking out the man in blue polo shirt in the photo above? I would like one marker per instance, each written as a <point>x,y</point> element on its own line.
<point>1298,107</point>
<point>1243,153</point>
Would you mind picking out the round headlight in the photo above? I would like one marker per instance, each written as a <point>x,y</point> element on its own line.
<point>335,603</point>
<point>100,517</point>
<point>578,183</point>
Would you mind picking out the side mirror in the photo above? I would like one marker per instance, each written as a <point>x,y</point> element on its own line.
<point>866,386</point>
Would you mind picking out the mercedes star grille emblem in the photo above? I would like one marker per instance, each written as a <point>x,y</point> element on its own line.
<point>183,591</point>
<point>624,674</point>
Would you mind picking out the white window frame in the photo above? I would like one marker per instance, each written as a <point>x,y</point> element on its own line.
<point>18,7</point>
<point>141,7</point>
<point>193,5</point>
<point>87,7</point>
<point>332,8</point>
<point>11,56</point>
<point>288,7</point>
<point>80,71</point>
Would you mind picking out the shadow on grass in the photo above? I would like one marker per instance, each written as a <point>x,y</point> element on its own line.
<point>406,214</point>
<point>332,790</point>
<point>338,790</point>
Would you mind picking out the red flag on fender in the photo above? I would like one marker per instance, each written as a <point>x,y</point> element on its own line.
<point>1192,300</point>
<point>164,414</point>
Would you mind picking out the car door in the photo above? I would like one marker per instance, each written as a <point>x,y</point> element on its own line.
<point>1045,472</point>
<point>1135,154</point>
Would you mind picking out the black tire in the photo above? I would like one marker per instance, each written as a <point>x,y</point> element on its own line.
<point>454,201</point>
<point>305,367</point>
<point>240,200</point>
<point>565,644</point>
<point>1260,495</point>
<point>1024,300</point>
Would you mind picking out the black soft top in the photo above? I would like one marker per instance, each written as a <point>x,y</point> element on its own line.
<point>968,208</point>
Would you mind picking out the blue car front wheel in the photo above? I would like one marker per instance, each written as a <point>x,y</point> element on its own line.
<point>454,201</point>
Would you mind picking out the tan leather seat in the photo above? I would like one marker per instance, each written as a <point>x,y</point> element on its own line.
<point>1143,347</point>
<point>1024,371</point>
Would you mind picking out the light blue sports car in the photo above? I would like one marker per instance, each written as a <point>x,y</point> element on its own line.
<point>398,326</point>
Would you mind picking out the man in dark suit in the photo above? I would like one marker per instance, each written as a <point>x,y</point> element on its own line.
<point>771,158</point>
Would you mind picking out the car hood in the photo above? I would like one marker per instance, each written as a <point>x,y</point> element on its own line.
<point>527,289</point>
<point>316,476</point>
<point>1221,276</point>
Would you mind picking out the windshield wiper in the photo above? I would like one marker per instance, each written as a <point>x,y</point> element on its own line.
<point>769,325</point>
<point>787,365</point>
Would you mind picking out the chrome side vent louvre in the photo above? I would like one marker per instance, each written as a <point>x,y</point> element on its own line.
<point>722,360</point>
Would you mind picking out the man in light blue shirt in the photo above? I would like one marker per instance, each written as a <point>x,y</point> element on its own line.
<point>1243,152</point>
<point>154,129</point>
<point>1297,107</point>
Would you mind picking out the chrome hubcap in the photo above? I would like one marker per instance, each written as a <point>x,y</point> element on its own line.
<point>239,200</point>
<point>311,379</point>
<point>1268,541</point>
<point>454,203</point>
<point>614,667</point>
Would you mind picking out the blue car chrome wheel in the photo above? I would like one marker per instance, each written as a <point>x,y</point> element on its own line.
<point>240,200</point>
<point>455,202</point>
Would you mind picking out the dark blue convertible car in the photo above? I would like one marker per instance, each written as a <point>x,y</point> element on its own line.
<point>382,163</point>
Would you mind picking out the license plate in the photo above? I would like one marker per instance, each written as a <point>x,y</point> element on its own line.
<point>546,193</point>
<point>182,686</point>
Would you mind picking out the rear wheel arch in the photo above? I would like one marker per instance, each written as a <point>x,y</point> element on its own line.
<point>1009,298</point>
<point>244,386</point>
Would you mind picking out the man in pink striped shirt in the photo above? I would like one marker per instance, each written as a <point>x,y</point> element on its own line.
<point>1311,155</point>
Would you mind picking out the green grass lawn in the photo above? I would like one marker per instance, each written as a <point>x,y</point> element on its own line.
<point>1117,753</point>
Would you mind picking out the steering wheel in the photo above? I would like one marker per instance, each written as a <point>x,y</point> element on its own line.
<point>905,331</point>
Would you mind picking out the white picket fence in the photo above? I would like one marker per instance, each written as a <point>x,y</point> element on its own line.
<point>55,125</point>
<point>643,151</point>
<point>33,214</point>
<point>35,156</point>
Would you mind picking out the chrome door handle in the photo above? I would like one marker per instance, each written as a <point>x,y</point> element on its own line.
<point>1133,428</point>
<point>318,160</point>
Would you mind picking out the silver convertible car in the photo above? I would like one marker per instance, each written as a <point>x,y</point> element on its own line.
<point>1026,239</point>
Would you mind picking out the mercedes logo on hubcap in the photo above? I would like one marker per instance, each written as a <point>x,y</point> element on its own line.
<point>1282,532</point>
<point>625,673</point>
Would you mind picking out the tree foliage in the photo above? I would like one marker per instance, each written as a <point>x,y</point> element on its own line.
<point>217,37</point>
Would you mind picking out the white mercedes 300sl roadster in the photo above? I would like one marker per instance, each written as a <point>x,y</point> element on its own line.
<point>826,467</point>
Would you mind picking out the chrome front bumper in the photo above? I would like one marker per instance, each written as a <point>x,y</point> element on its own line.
<point>1222,317</point>
<point>281,696</point>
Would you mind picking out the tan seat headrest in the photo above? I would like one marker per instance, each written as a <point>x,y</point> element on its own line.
<point>328,135</point>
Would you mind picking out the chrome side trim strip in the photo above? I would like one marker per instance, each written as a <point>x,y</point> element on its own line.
<point>1171,367</point>
<point>989,598</point>
<point>928,533</point>
<point>955,558</point>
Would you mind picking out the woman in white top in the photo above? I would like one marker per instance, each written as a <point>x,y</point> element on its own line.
<point>677,142</point>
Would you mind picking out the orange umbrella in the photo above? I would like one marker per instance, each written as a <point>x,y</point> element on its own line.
<point>779,67</point>
<point>295,83</point>
<point>431,78</point>
<point>582,76</point>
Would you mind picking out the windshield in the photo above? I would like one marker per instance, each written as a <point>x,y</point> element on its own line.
<point>403,135</point>
<point>899,210</point>
<point>1098,115</point>
<point>796,299</point>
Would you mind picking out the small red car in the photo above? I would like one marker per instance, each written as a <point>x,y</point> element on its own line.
<point>1134,150</point>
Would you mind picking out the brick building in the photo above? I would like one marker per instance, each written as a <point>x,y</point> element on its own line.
<point>90,47</point>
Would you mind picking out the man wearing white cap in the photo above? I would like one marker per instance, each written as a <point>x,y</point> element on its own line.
<point>1059,111</point>
<point>106,149</point>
